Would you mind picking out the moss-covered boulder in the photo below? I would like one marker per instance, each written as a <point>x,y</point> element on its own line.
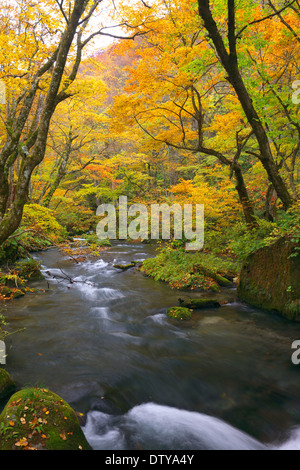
<point>7,385</point>
<point>199,303</point>
<point>124,267</point>
<point>269,278</point>
<point>29,269</point>
<point>38,419</point>
<point>179,313</point>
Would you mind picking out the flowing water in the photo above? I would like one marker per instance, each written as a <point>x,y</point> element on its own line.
<point>103,342</point>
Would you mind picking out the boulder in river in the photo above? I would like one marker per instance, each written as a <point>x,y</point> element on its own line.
<point>124,267</point>
<point>38,419</point>
<point>269,278</point>
<point>179,313</point>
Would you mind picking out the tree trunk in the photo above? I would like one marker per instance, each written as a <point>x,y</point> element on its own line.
<point>60,175</point>
<point>12,219</point>
<point>230,63</point>
<point>244,197</point>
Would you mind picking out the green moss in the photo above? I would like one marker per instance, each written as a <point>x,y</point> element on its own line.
<point>292,310</point>
<point>10,251</point>
<point>7,386</point>
<point>36,418</point>
<point>124,267</point>
<point>179,313</point>
<point>93,239</point>
<point>29,269</point>
<point>186,270</point>
<point>269,279</point>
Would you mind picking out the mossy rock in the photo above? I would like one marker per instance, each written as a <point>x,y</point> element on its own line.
<point>7,385</point>
<point>223,281</point>
<point>29,269</point>
<point>179,313</point>
<point>124,267</point>
<point>137,263</point>
<point>38,419</point>
<point>269,278</point>
<point>10,251</point>
<point>199,303</point>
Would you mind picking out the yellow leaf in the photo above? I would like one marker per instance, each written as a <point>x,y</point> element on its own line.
<point>22,442</point>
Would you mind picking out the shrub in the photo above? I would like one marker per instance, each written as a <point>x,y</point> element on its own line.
<point>29,269</point>
<point>77,219</point>
<point>186,270</point>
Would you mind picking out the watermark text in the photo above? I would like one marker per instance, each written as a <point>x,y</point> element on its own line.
<point>164,221</point>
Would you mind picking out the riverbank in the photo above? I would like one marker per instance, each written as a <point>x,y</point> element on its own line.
<point>184,270</point>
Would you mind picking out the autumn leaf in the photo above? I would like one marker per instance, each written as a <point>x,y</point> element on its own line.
<point>22,442</point>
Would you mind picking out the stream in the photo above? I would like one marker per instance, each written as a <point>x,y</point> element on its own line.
<point>224,380</point>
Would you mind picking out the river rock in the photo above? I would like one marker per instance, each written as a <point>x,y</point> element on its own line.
<point>124,267</point>
<point>199,303</point>
<point>7,385</point>
<point>269,278</point>
<point>38,419</point>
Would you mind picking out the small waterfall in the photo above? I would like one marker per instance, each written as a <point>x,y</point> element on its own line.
<point>156,427</point>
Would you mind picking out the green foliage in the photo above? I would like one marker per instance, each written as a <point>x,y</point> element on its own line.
<point>39,229</point>
<point>76,219</point>
<point>3,323</point>
<point>186,270</point>
<point>42,220</point>
<point>29,269</point>
<point>93,239</point>
<point>10,251</point>
<point>241,242</point>
<point>36,418</point>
